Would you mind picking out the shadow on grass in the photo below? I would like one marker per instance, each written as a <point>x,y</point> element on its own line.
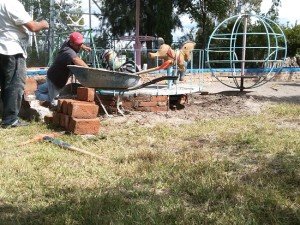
<point>258,198</point>
<point>113,207</point>
<point>275,189</point>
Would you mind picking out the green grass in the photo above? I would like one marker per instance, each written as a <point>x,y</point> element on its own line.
<point>239,170</point>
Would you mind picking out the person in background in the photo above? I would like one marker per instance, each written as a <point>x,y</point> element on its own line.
<point>59,73</point>
<point>15,24</point>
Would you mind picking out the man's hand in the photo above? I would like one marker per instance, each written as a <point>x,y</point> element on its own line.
<point>85,48</point>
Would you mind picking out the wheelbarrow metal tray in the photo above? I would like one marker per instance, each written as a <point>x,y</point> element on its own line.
<point>104,79</point>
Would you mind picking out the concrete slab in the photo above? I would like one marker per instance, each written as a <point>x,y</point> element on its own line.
<point>157,89</point>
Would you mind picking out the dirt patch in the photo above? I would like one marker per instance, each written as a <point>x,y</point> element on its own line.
<point>220,101</point>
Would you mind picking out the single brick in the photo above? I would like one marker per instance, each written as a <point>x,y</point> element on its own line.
<point>159,98</point>
<point>82,110</point>
<point>84,126</point>
<point>147,104</point>
<point>86,94</point>
<point>162,103</point>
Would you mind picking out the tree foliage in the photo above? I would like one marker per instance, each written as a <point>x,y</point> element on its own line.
<point>293,40</point>
<point>207,13</point>
<point>157,18</point>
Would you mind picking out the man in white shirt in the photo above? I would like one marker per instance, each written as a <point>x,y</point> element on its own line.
<point>15,23</point>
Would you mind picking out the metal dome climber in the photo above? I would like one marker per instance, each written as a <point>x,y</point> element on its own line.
<point>246,46</point>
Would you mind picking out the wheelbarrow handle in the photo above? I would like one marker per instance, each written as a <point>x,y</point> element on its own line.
<point>153,82</point>
<point>165,65</point>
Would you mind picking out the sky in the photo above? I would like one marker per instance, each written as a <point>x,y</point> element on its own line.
<point>288,13</point>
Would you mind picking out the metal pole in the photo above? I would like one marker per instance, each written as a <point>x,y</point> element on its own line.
<point>91,58</point>
<point>137,45</point>
<point>90,15</point>
<point>244,52</point>
<point>51,32</point>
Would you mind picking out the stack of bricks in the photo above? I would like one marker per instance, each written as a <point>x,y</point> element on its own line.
<point>78,116</point>
<point>142,102</point>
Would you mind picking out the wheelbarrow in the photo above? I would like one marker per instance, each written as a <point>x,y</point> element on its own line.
<point>114,80</point>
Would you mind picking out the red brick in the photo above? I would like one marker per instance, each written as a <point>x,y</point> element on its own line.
<point>140,97</point>
<point>159,98</point>
<point>83,110</point>
<point>84,126</point>
<point>147,104</point>
<point>162,103</point>
<point>64,121</point>
<point>86,94</point>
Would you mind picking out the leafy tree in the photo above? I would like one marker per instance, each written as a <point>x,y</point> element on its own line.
<point>207,13</point>
<point>273,12</point>
<point>66,14</point>
<point>293,40</point>
<point>156,18</point>
<point>40,9</point>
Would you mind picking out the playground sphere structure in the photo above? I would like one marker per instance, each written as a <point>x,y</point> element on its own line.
<point>249,49</point>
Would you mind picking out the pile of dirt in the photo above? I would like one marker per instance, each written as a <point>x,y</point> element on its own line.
<point>216,101</point>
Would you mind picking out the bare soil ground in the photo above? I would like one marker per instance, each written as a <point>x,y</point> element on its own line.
<point>219,101</point>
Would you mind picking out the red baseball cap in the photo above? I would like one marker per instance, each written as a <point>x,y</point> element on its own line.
<point>76,38</point>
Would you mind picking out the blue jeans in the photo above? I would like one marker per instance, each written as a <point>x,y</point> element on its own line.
<point>47,92</point>
<point>12,83</point>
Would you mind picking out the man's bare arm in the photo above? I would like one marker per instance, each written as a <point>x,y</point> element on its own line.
<point>34,26</point>
<point>79,62</point>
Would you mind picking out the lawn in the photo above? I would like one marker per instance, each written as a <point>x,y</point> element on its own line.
<point>236,170</point>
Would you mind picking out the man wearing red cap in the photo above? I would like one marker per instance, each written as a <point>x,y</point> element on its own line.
<point>58,73</point>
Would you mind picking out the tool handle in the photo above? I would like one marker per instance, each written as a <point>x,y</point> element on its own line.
<point>65,145</point>
<point>165,65</point>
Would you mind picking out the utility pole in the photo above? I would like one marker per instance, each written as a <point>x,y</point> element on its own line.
<point>137,45</point>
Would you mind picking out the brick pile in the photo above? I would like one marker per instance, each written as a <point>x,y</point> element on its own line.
<point>77,116</point>
<point>142,102</point>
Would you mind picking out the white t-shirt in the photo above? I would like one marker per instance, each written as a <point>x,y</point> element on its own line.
<point>13,35</point>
